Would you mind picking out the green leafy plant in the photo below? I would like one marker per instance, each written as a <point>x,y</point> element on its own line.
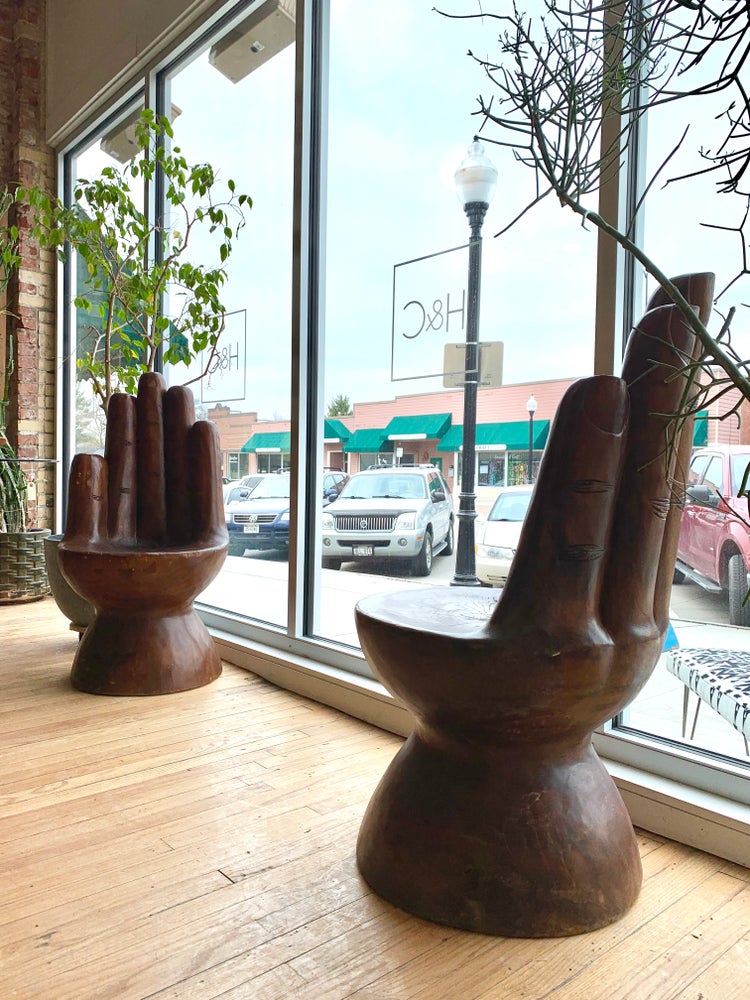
<point>13,484</point>
<point>130,266</point>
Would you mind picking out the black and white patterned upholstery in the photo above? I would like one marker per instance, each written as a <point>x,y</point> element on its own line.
<point>720,677</point>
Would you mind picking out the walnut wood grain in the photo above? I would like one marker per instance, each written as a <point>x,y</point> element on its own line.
<point>497,816</point>
<point>145,534</point>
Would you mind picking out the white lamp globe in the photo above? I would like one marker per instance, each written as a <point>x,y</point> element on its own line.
<point>476,177</point>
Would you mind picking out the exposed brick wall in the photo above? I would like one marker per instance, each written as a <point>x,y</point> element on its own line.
<point>26,158</point>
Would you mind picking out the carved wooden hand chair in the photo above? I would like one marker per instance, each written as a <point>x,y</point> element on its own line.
<point>145,534</point>
<point>497,815</point>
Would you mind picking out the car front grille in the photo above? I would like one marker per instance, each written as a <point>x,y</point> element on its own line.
<point>365,522</point>
<point>254,518</point>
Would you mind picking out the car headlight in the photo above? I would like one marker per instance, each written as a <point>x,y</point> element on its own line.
<point>327,522</point>
<point>495,552</point>
<point>405,522</point>
<point>283,517</point>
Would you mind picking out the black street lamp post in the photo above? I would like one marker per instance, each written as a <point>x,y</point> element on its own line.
<point>531,407</point>
<point>476,180</point>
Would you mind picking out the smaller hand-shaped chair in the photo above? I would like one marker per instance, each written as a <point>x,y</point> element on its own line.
<point>145,535</point>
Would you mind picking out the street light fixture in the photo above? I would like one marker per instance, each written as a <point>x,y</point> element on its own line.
<point>531,407</point>
<point>476,180</point>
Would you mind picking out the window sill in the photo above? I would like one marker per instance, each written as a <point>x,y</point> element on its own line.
<point>663,806</point>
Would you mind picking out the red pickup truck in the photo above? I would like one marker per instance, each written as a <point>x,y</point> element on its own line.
<point>714,546</point>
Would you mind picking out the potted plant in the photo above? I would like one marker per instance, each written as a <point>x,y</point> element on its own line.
<point>132,269</point>
<point>130,265</point>
<point>22,564</point>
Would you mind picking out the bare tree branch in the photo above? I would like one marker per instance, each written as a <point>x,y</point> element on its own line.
<point>559,76</point>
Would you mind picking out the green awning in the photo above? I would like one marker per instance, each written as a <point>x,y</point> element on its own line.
<point>453,440</point>
<point>368,439</point>
<point>700,429</point>
<point>514,435</point>
<point>334,431</point>
<point>426,427</point>
<point>269,441</point>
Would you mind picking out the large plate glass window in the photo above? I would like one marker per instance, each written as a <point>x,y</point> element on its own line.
<point>232,103</point>
<point>689,226</point>
<point>395,315</point>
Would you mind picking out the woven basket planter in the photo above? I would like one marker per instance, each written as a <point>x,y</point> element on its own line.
<point>23,571</point>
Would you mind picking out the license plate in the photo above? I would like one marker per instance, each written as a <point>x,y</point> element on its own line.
<point>362,550</point>
<point>251,529</point>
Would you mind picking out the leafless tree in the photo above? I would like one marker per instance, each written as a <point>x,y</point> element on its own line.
<point>562,75</point>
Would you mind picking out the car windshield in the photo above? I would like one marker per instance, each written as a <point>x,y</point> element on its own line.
<point>273,487</point>
<point>510,507</point>
<point>238,493</point>
<point>739,465</point>
<point>250,482</point>
<point>385,487</point>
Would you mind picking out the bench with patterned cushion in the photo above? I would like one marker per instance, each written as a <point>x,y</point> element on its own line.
<point>721,678</point>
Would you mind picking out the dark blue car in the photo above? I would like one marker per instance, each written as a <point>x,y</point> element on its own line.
<point>262,520</point>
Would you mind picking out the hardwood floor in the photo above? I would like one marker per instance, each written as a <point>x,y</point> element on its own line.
<point>201,845</point>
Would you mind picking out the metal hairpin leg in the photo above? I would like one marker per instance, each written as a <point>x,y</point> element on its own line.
<point>695,717</point>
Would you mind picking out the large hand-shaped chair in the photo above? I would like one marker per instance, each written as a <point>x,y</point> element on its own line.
<point>497,815</point>
<point>145,533</point>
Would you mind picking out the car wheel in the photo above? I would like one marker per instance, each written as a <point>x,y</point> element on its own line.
<point>449,542</point>
<point>678,576</point>
<point>236,550</point>
<point>739,614</point>
<point>332,563</point>
<point>423,562</point>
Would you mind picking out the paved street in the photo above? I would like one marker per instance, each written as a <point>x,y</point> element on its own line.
<point>256,585</point>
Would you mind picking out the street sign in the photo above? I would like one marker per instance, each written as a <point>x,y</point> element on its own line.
<point>490,365</point>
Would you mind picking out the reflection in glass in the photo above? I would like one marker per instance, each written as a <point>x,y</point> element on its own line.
<point>237,113</point>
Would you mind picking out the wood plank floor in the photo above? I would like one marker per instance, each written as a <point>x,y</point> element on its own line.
<point>202,845</point>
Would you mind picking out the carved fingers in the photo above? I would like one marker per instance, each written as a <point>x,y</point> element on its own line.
<point>556,578</point>
<point>698,290</point>
<point>152,483</point>
<point>87,500</point>
<point>205,451</point>
<point>179,417</point>
<point>159,483</point>
<point>120,454</point>
<point>601,520</point>
<point>658,350</point>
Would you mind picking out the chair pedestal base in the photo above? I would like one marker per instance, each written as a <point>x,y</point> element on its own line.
<point>518,842</point>
<point>496,815</point>
<point>136,654</point>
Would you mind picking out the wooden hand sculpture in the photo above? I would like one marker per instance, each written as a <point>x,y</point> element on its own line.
<point>145,534</point>
<point>496,815</point>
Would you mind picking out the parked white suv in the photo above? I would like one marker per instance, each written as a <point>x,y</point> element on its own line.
<point>390,512</point>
